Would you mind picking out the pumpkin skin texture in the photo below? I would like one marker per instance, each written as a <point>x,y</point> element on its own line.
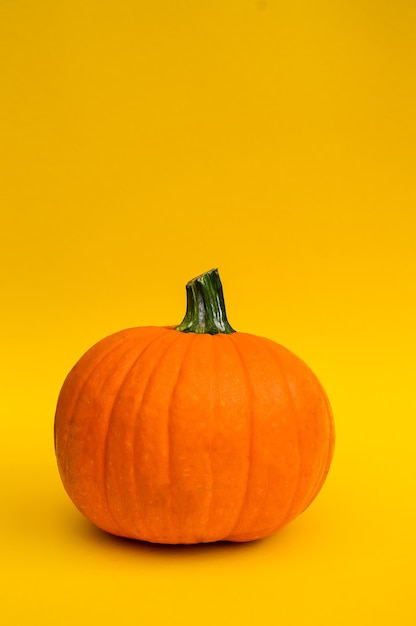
<point>184,437</point>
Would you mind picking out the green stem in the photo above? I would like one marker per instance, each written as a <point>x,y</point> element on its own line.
<point>205,307</point>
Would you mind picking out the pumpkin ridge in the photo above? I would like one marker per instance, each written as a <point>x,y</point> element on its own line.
<point>286,517</point>
<point>211,481</point>
<point>191,341</point>
<point>176,336</point>
<point>320,482</point>
<point>105,453</point>
<point>250,435</point>
<point>70,418</point>
<point>331,445</point>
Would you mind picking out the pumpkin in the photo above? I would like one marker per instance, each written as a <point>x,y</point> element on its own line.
<point>194,433</point>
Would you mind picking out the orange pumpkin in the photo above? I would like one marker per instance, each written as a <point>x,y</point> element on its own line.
<point>192,434</point>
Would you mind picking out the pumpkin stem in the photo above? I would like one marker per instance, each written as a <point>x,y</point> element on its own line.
<point>205,307</point>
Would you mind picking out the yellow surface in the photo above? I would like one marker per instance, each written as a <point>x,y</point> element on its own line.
<point>143,143</point>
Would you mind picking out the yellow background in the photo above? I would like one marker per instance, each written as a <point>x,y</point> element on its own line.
<point>143,143</point>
